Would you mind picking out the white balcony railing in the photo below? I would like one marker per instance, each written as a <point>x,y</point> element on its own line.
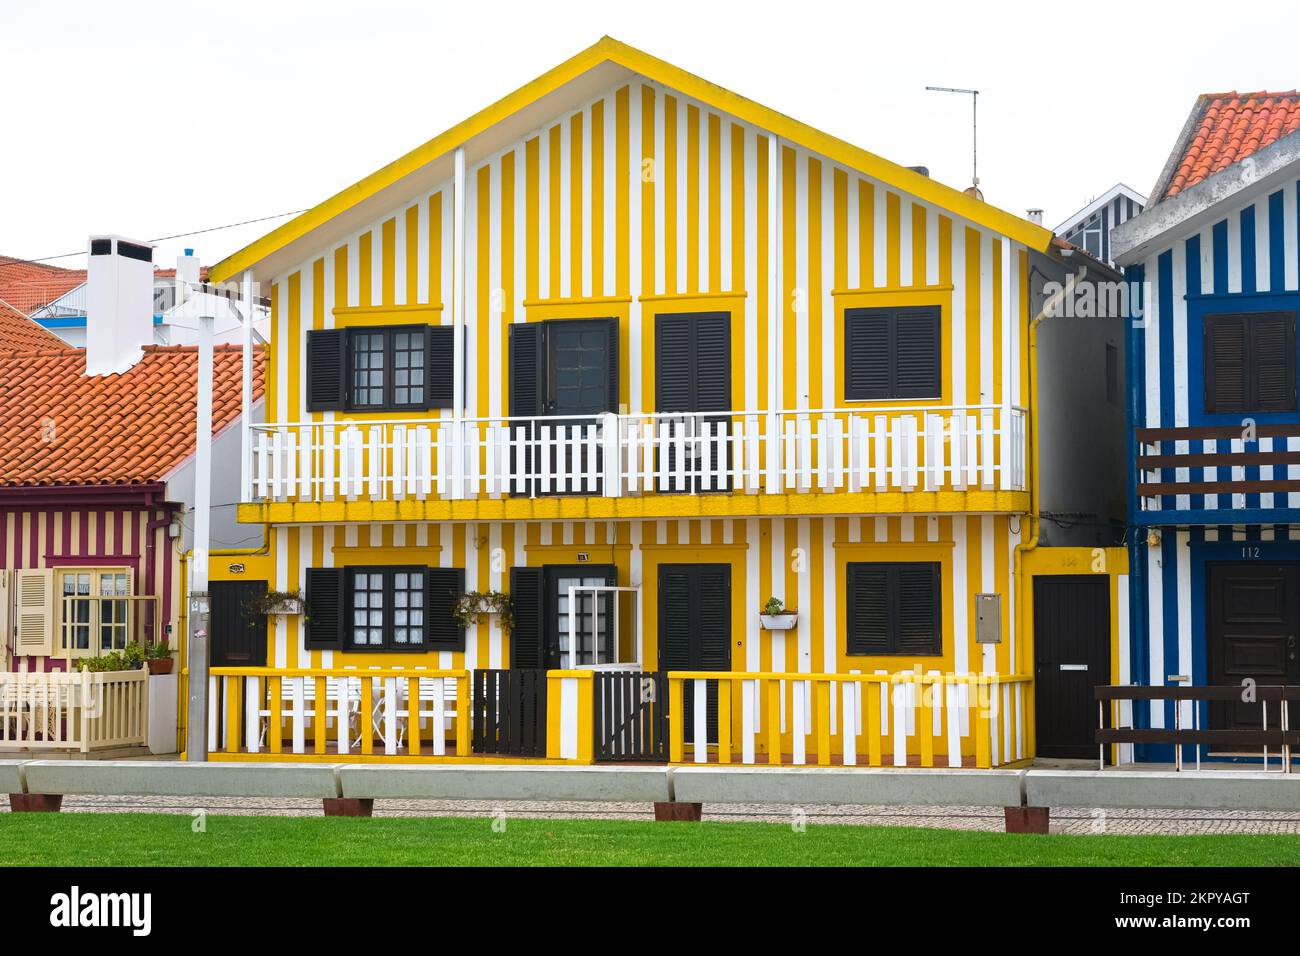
<point>832,450</point>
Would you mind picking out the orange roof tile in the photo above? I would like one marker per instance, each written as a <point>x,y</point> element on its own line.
<point>29,285</point>
<point>19,333</point>
<point>1233,126</point>
<point>59,425</point>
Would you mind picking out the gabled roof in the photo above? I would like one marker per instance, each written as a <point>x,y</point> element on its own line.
<point>1223,129</point>
<point>597,68</point>
<point>27,286</point>
<point>1109,196</point>
<point>60,426</point>
<point>20,334</point>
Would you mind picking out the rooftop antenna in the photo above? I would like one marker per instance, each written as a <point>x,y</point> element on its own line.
<point>974,95</point>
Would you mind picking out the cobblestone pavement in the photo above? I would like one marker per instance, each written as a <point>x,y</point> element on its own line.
<point>1073,820</point>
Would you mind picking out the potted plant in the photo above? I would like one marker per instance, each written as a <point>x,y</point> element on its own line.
<point>473,607</point>
<point>775,616</point>
<point>159,658</point>
<point>278,602</point>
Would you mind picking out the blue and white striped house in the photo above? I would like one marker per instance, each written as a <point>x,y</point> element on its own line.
<point>1091,226</point>
<point>1213,273</point>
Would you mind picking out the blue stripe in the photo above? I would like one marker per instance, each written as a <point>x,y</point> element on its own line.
<point>1169,593</point>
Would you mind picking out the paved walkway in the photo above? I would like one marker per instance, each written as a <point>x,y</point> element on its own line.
<point>1071,820</point>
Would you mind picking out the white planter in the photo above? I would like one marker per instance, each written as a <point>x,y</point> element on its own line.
<point>285,607</point>
<point>785,621</point>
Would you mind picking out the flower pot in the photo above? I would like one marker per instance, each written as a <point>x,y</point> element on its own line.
<point>160,665</point>
<point>285,607</point>
<point>784,621</point>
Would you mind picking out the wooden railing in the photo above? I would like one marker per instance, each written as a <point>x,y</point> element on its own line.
<point>76,711</point>
<point>341,712</point>
<point>1117,723</point>
<point>873,719</point>
<point>1218,467</point>
<point>824,450</point>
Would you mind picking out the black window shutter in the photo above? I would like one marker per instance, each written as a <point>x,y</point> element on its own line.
<point>868,609</point>
<point>916,353</point>
<point>673,365</point>
<point>867,336</point>
<point>917,608</point>
<point>713,362</point>
<point>714,618</point>
<point>326,614</point>
<point>1226,355</point>
<point>675,619</point>
<point>526,640</point>
<point>1273,361</point>
<point>527,369</point>
<point>441,373</point>
<point>443,586</point>
<point>326,372</point>
<point>612,357</point>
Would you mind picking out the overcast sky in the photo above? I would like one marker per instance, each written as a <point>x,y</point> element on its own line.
<point>150,119</point>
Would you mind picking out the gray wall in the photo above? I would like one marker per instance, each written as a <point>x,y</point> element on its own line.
<point>226,532</point>
<point>1081,431</point>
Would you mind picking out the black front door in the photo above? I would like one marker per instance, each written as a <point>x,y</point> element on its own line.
<point>695,629</point>
<point>1254,617</point>
<point>238,628</point>
<point>1071,657</point>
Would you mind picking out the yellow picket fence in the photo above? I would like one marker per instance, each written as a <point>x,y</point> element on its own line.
<point>902,719</point>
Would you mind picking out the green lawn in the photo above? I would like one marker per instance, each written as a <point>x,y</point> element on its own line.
<point>140,839</point>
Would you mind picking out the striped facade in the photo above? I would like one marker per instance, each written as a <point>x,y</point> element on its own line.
<point>636,202</point>
<point>81,533</point>
<point>1245,258</point>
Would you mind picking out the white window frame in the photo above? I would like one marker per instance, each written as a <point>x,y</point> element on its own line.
<point>571,653</point>
<point>95,599</point>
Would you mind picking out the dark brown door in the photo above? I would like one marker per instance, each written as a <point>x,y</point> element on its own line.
<point>1254,613</point>
<point>1071,657</point>
<point>238,630</point>
<point>695,630</point>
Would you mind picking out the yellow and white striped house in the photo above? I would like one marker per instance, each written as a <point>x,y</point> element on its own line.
<point>642,354</point>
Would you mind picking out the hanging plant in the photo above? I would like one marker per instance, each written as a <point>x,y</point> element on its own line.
<point>277,602</point>
<point>473,607</point>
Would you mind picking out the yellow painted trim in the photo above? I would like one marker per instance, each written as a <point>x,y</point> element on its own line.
<point>651,506</point>
<point>612,51</point>
<point>383,758</point>
<point>347,311</point>
<point>694,298</point>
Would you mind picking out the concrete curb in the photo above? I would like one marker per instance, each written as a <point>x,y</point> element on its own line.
<point>441,782</point>
<point>833,785</point>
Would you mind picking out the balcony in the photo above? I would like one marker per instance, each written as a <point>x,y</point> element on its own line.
<point>657,465</point>
<point>1218,474</point>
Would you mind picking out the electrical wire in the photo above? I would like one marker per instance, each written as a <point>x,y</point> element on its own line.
<point>14,261</point>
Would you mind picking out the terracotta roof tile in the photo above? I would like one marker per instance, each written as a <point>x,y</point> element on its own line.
<point>61,426</point>
<point>29,285</point>
<point>1232,127</point>
<point>19,333</point>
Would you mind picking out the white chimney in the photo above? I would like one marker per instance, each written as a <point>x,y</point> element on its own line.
<point>187,276</point>
<point>1035,216</point>
<point>119,303</point>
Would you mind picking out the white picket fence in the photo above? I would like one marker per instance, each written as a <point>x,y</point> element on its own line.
<point>883,450</point>
<point>79,711</point>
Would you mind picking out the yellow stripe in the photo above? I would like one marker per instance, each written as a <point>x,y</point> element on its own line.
<point>666,173</point>
<point>715,203</point>
<point>388,265</point>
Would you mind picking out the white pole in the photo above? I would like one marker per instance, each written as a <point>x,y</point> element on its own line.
<point>197,657</point>
<point>246,420</point>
